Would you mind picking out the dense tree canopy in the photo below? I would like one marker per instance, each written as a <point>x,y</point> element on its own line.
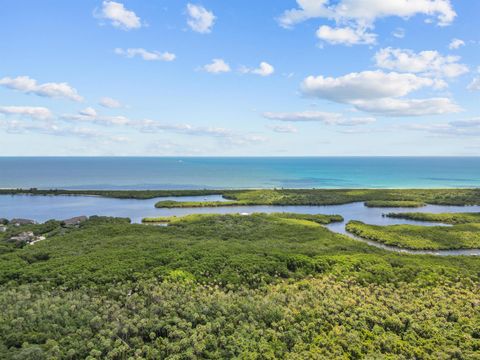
<point>275,286</point>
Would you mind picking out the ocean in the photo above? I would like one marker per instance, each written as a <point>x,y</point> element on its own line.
<point>238,172</point>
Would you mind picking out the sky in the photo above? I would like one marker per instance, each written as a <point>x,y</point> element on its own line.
<point>240,78</point>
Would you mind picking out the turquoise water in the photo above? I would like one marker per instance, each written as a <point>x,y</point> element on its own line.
<point>199,173</point>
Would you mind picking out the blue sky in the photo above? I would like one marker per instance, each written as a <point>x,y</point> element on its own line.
<point>233,78</point>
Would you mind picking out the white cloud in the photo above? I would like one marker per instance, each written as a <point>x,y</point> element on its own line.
<point>454,128</point>
<point>55,129</point>
<point>304,116</point>
<point>153,126</point>
<point>361,15</point>
<point>224,135</point>
<point>345,35</point>
<point>355,121</point>
<point>91,115</point>
<point>145,55</point>
<point>264,69</point>
<point>28,85</point>
<point>409,107</point>
<point>217,66</point>
<point>285,129</point>
<point>319,116</point>
<point>119,16</point>
<point>200,19</point>
<point>456,44</point>
<point>366,85</point>
<point>429,63</point>
<point>34,112</point>
<point>380,93</point>
<point>110,103</point>
<point>474,85</point>
<point>366,12</point>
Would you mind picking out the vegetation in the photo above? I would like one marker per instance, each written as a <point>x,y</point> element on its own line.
<point>169,204</point>
<point>334,197</point>
<point>231,286</point>
<point>286,196</point>
<point>49,228</point>
<point>316,218</point>
<point>325,318</point>
<point>446,218</point>
<point>466,236</point>
<point>119,194</point>
<point>393,203</point>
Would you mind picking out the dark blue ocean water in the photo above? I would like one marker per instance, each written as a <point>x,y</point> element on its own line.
<point>259,172</point>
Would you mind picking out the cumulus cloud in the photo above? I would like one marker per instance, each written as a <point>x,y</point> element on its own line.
<point>409,107</point>
<point>456,44</point>
<point>34,112</point>
<point>361,15</point>
<point>200,19</point>
<point>91,115</point>
<point>217,66</point>
<point>119,16</point>
<point>345,35</point>
<point>264,69</point>
<point>110,103</point>
<point>145,54</point>
<point>328,118</point>
<point>28,85</point>
<point>428,63</point>
<point>366,12</point>
<point>474,85</point>
<point>380,93</point>
<point>366,85</point>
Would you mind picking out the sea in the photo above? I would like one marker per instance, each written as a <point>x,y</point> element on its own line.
<point>238,172</point>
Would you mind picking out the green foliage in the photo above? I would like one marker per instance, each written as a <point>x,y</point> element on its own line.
<point>120,194</point>
<point>446,218</point>
<point>284,196</point>
<point>169,204</point>
<point>316,218</point>
<point>326,317</point>
<point>390,197</point>
<point>466,236</point>
<point>393,203</point>
<point>277,286</point>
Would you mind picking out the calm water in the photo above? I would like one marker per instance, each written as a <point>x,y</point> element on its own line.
<point>42,208</point>
<point>199,173</point>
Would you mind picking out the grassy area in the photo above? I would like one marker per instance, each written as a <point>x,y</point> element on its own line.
<point>286,196</point>
<point>466,236</point>
<point>231,286</point>
<point>169,204</point>
<point>317,218</point>
<point>393,203</point>
<point>446,218</point>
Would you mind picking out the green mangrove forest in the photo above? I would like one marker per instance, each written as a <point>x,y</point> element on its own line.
<point>278,286</point>
<point>282,196</point>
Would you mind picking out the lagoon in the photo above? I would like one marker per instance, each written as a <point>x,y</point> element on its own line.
<point>43,208</point>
